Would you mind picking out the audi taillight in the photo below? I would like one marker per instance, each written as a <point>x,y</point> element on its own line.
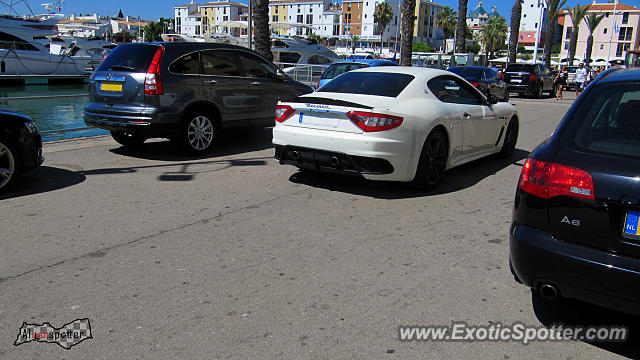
<point>152,82</point>
<point>533,78</point>
<point>371,122</point>
<point>283,112</point>
<point>548,180</point>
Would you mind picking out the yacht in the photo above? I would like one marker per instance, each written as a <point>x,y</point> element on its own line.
<point>33,46</point>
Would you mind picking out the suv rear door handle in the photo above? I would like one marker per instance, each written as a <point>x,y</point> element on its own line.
<point>256,83</point>
<point>467,115</point>
<point>211,81</point>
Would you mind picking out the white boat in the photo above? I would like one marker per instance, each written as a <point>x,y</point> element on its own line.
<point>32,46</point>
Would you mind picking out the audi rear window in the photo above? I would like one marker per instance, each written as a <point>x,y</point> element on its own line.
<point>369,83</point>
<point>607,121</point>
<point>129,58</point>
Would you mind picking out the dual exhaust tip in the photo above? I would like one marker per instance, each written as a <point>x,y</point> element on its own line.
<point>333,161</point>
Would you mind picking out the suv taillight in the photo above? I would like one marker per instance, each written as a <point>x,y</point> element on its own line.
<point>533,78</point>
<point>548,180</point>
<point>283,112</point>
<point>371,122</point>
<point>152,82</point>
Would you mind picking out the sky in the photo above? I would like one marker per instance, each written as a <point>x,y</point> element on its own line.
<point>154,9</point>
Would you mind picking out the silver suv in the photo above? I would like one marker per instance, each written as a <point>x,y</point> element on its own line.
<point>186,92</point>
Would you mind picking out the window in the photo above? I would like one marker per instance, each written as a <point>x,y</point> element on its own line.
<point>625,18</point>
<point>606,14</point>
<point>288,57</point>
<point>622,47</point>
<point>318,59</point>
<point>525,15</point>
<point>300,19</point>
<point>607,121</point>
<point>452,90</point>
<point>569,30</point>
<point>339,69</point>
<point>8,41</point>
<point>566,45</point>
<point>605,30</point>
<point>536,25</point>
<point>254,67</point>
<point>220,63</point>
<point>197,29</point>
<point>601,47</point>
<point>186,65</point>
<point>369,83</point>
<point>135,56</point>
<point>310,19</point>
<point>274,18</point>
<point>625,34</point>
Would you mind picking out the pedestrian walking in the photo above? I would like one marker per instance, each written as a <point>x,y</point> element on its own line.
<point>581,78</point>
<point>560,81</point>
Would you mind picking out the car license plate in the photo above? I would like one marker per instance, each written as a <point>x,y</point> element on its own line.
<point>630,229</point>
<point>324,120</point>
<point>516,81</point>
<point>111,87</point>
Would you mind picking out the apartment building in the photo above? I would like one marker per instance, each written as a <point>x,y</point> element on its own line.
<point>188,19</point>
<point>425,29</point>
<point>617,33</point>
<point>534,13</point>
<point>213,14</point>
<point>293,15</point>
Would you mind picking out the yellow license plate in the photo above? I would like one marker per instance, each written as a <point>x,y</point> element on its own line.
<point>110,87</point>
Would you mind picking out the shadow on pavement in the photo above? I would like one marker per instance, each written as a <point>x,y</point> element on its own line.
<point>42,179</point>
<point>459,178</point>
<point>231,142</point>
<point>570,312</point>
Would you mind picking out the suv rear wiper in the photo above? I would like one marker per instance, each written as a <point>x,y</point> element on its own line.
<point>121,67</point>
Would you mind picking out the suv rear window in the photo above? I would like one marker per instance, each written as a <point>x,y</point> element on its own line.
<point>339,69</point>
<point>607,121</point>
<point>129,57</point>
<point>465,72</point>
<point>521,67</point>
<point>369,83</point>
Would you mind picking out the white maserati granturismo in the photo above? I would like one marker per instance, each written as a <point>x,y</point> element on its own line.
<point>393,123</point>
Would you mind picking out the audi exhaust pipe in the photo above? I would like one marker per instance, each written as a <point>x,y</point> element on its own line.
<point>549,291</point>
<point>334,161</point>
<point>295,155</point>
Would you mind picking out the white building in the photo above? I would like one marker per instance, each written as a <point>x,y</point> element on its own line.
<point>188,19</point>
<point>530,16</point>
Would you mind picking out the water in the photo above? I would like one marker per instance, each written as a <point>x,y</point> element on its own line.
<point>51,113</point>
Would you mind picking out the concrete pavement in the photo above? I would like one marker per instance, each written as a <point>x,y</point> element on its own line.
<point>234,256</point>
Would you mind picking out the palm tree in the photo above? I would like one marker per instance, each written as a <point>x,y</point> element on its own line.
<point>577,14</point>
<point>354,40</point>
<point>461,31</point>
<point>494,33</point>
<point>516,12</point>
<point>408,19</point>
<point>382,16</point>
<point>261,35</point>
<point>553,11</point>
<point>592,20</point>
<point>446,20</point>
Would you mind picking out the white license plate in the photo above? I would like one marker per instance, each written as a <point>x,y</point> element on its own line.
<point>324,121</point>
<point>517,81</point>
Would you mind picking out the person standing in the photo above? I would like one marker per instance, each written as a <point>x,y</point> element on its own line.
<point>581,78</point>
<point>561,81</point>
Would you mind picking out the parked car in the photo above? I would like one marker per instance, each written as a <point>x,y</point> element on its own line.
<point>341,67</point>
<point>530,79</point>
<point>184,91</point>
<point>485,79</point>
<point>20,147</point>
<point>571,76</point>
<point>393,123</point>
<point>575,229</point>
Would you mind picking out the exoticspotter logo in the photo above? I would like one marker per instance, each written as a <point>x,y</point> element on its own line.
<point>66,336</point>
